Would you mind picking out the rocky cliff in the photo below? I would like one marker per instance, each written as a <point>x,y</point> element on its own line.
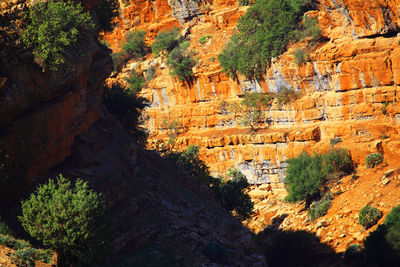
<point>349,90</point>
<point>42,112</point>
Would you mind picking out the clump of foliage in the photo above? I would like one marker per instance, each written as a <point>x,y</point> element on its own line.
<point>353,253</point>
<point>134,45</point>
<point>307,175</point>
<point>309,27</point>
<point>127,105</point>
<point>54,29</point>
<point>245,2</point>
<point>230,193</point>
<point>70,219</point>
<point>300,56</point>
<point>382,246</point>
<point>5,229</point>
<point>290,248</point>
<point>165,41</point>
<point>369,216</point>
<point>215,251</point>
<point>335,141</point>
<point>173,130</point>
<point>107,11</point>
<point>203,39</point>
<point>286,95</point>
<point>252,104</point>
<point>320,208</point>
<point>181,61</point>
<point>25,254</point>
<point>373,160</point>
<point>263,33</point>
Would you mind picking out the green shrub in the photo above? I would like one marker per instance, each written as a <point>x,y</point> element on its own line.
<point>181,62</point>
<point>230,193</point>
<point>134,45</point>
<point>127,106</point>
<point>373,160</point>
<point>339,160</point>
<point>290,248</point>
<point>245,2</point>
<point>215,251</point>
<point>369,216</point>
<point>335,141</point>
<point>5,229</point>
<point>107,11</point>
<point>286,95</point>
<point>309,27</point>
<point>393,228</point>
<point>165,41</point>
<point>24,250</point>
<point>135,82</point>
<point>353,253</point>
<point>300,56</point>
<point>203,39</point>
<point>28,255</point>
<point>320,208</point>
<point>263,33</point>
<point>69,219</point>
<point>54,29</point>
<point>306,175</point>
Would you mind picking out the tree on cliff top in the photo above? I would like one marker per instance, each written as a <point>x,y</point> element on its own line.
<point>53,29</point>
<point>69,219</point>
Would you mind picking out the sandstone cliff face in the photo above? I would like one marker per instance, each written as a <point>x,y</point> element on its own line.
<point>42,112</point>
<point>349,91</point>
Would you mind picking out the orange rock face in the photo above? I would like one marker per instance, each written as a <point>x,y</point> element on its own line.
<point>42,112</point>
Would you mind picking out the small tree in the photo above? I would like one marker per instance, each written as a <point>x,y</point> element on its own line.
<point>69,219</point>
<point>165,41</point>
<point>369,216</point>
<point>135,44</point>
<point>54,28</point>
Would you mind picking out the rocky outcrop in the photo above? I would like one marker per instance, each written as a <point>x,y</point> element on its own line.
<point>42,112</point>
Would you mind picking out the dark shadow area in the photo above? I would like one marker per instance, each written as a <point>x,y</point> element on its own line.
<point>295,248</point>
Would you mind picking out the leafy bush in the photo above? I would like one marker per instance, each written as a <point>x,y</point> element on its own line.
<point>134,45</point>
<point>181,62</point>
<point>320,208</point>
<point>369,216</point>
<point>300,56</point>
<point>27,256</point>
<point>136,82</point>
<point>215,251</point>
<point>306,175</point>
<point>107,11</point>
<point>203,39</point>
<point>393,228</point>
<point>230,194</point>
<point>127,106</point>
<point>54,29</point>
<point>263,33</point>
<point>373,160</point>
<point>353,253</point>
<point>335,141</point>
<point>286,95</point>
<point>290,248</point>
<point>339,161</point>
<point>245,2</point>
<point>5,229</point>
<point>309,27</point>
<point>69,219</point>
<point>165,41</point>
